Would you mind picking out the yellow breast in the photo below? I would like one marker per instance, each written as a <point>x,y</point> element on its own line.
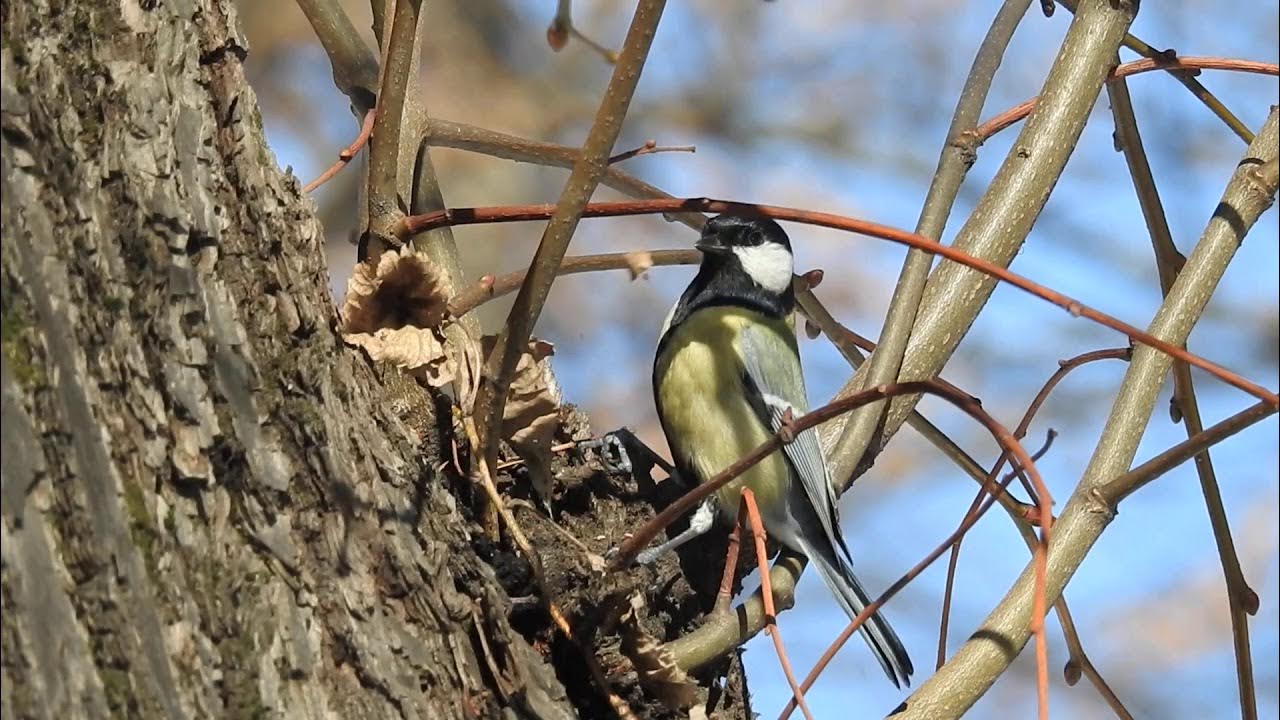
<point>704,409</point>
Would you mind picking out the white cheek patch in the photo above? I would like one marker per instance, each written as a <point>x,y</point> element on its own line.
<point>768,264</point>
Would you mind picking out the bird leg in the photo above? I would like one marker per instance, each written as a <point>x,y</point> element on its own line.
<point>699,524</point>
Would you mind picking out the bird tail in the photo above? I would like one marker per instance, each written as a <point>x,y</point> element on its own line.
<point>880,637</point>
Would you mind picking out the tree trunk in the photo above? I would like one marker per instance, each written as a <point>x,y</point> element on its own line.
<point>210,507</point>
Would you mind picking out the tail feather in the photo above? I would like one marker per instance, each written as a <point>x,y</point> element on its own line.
<point>880,637</point>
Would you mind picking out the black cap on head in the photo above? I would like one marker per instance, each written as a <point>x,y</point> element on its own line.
<point>725,232</point>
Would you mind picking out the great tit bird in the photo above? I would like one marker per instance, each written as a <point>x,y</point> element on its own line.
<point>727,373</point>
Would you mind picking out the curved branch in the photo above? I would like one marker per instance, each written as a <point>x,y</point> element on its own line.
<point>953,164</point>
<point>587,171</point>
<point>519,213</point>
<point>976,665</point>
<point>1024,108</point>
<point>645,534</point>
<point>491,287</point>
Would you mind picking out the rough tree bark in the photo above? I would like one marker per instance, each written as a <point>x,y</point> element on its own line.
<point>210,507</point>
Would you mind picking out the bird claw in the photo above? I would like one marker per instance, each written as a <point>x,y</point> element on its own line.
<point>786,429</point>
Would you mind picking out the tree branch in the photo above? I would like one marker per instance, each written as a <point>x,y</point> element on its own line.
<point>953,164</point>
<point>1168,261</point>
<point>1114,491</point>
<point>583,179</point>
<point>1006,212</point>
<point>972,670</point>
<point>385,150</point>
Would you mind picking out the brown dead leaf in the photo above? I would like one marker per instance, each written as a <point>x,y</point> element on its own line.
<point>415,349</point>
<point>393,309</point>
<point>402,289</point>
<point>532,413</point>
<point>638,262</point>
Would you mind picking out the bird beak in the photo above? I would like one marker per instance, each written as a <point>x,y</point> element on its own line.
<point>711,245</point>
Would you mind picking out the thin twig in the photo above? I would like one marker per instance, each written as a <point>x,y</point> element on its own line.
<point>1168,262</point>
<point>1078,663</point>
<point>583,179</point>
<point>491,287</point>
<point>355,69</point>
<point>508,464</point>
<point>1117,489</point>
<point>519,213</point>
<point>347,154</point>
<point>651,147</point>
<point>1021,110</point>
<point>1187,79</point>
<point>752,514</point>
<point>562,28</point>
<point>468,138</point>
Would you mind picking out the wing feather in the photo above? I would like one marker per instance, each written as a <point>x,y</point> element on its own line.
<point>775,384</point>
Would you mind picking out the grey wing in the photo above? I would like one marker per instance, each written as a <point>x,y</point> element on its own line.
<point>775,385</point>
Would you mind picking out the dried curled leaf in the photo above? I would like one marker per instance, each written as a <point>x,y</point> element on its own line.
<point>532,413</point>
<point>391,311</point>
<point>654,663</point>
<point>402,289</point>
<point>415,349</point>
<point>638,262</point>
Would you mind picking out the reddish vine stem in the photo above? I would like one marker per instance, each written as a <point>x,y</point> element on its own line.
<point>519,213</point>
<point>1021,110</point>
<point>895,588</point>
<point>751,512</point>
<point>347,153</point>
<point>1078,658</point>
<point>724,596</point>
<point>646,533</point>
